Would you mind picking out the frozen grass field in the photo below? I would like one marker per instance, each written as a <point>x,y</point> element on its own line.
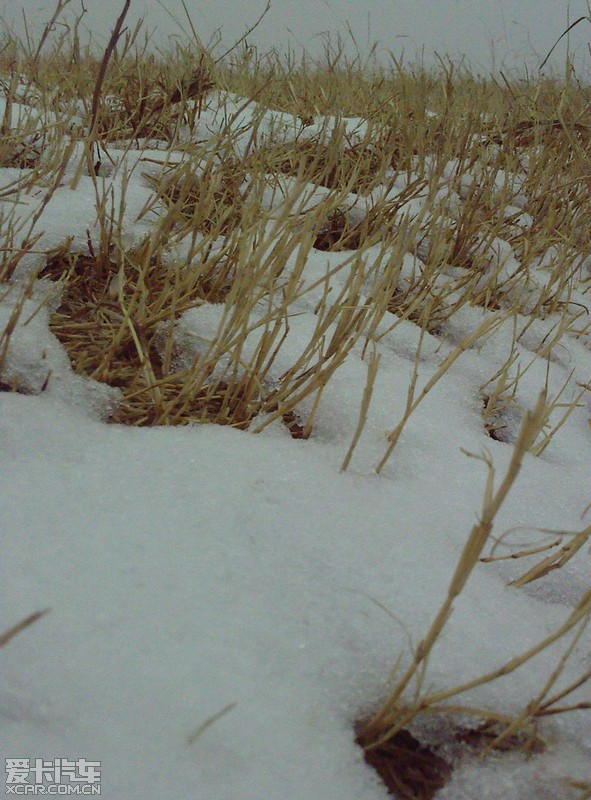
<point>295,439</point>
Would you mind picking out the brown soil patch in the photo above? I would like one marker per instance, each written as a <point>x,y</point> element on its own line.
<point>410,770</point>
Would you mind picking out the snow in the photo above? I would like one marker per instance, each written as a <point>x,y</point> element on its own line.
<point>192,570</point>
<point>237,117</point>
<point>37,362</point>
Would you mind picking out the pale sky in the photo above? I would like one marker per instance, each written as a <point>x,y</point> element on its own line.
<point>518,31</point>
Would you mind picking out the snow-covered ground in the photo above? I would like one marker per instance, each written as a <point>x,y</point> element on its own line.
<point>198,570</point>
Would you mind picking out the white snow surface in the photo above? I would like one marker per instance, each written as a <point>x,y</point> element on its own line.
<point>201,569</point>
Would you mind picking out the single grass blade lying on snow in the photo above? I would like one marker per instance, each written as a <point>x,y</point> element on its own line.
<point>20,626</point>
<point>554,561</point>
<point>192,737</point>
<point>585,788</point>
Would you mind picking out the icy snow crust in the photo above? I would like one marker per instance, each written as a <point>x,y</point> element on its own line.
<point>197,569</point>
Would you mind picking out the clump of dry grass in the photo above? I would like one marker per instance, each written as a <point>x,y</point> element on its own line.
<point>498,731</point>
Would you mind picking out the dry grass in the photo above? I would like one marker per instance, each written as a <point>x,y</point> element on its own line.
<point>20,626</point>
<point>393,715</point>
<point>435,164</point>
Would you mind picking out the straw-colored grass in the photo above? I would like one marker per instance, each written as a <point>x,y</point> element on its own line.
<point>14,630</point>
<point>436,165</point>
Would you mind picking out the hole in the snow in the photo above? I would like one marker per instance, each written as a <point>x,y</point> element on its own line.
<point>15,387</point>
<point>410,770</point>
<point>498,422</point>
<point>490,735</point>
<point>340,233</point>
<point>294,425</point>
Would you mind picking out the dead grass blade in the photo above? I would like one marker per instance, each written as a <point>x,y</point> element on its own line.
<point>20,626</point>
